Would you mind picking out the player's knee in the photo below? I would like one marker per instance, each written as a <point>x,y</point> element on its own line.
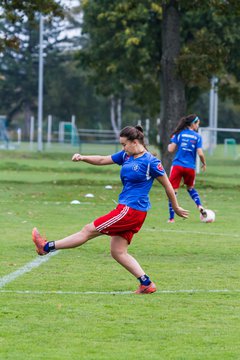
<point>116,253</point>
<point>88,230</point>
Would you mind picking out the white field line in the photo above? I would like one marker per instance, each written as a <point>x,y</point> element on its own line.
<point>39,260</point>
<point>191,232</point>
<point>159,292</point>
<point>26,268</point>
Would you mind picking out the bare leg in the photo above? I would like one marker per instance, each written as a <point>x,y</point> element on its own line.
<point>88,232</point>
<point>119,252</point>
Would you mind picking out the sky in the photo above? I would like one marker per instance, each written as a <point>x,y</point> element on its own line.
<point>70,3</point>
<point>74,32</point>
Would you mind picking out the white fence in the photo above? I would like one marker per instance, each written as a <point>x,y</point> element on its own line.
<point>230,137</point>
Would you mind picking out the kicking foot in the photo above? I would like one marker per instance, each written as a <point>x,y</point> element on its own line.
<point>202,211</point>
<point>39,242</point>
<point>149,289</point>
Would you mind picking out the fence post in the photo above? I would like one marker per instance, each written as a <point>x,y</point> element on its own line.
<point>19,135</point>
<point>73,130</point>
<point>49,130</point>
<point>31,137</point>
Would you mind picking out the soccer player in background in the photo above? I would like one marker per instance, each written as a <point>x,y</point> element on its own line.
<point>139,168</point>
<point>187,144</point>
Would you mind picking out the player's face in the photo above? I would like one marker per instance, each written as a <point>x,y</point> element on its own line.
<point>128,145</point>
<point>195,125</point>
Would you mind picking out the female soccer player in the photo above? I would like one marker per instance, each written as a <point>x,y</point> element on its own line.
<point>187,143</point>
<point>139,169</point>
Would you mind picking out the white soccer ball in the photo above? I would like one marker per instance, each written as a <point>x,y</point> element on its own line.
<point>209,218</point>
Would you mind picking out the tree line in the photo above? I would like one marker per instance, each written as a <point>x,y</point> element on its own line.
<point>155,58</point>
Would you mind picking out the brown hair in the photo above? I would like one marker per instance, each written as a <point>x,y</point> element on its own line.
<point>185,122</point>
<point>133,133</point>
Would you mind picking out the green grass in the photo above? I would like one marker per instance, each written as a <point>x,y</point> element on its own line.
<point>49,313</point>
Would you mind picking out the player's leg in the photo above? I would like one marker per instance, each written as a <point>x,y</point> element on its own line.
<point>88,232</point>
<point>171,211</point>
<point>119,247</point>
<point>194,196</point>
<point>189,180</point>
<point>43,247</point>
<point>175,179</point>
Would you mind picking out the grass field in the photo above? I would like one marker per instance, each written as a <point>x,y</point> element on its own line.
<point>78,304</point>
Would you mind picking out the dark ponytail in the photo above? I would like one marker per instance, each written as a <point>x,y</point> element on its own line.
<point>184,123</point>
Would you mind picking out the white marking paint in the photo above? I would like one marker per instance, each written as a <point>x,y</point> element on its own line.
<point>191,232</point>
<point>59,292</point>
<point>26,268</point>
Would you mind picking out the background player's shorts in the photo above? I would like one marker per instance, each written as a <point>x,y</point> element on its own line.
<point>178,172</point>
<point>122,221</point>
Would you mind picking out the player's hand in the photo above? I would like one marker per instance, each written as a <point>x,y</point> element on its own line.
<point>204,167</point>
<point>181,212</point>
<point>77,157</point>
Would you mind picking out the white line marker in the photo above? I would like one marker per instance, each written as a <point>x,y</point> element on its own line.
<point>26,268</point>
<point>159,292</point>
<point>191,232</point>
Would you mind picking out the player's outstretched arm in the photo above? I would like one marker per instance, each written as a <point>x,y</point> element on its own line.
<point>172,197</point>
<point>202,158</point>
<point>93,159</point>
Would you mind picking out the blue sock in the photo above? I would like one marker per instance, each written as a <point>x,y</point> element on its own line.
<point>49,246</point>
<point>171,211</point>
<point>195,196</point>
<point>144,280</point>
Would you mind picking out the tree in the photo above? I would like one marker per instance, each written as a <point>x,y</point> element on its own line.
<point>16,11</point>
<point>119,41</point>
<point>186,41</point>
<point>19,68</point>
<point>174,102</point>
<point>18,47</point>
<point>66,91</point>
<point>18,86</point>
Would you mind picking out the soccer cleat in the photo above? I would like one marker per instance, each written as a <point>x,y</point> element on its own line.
<point>203,211</point>
<point>149,289</point>
<point>39,242</point>
<point>171,221</point>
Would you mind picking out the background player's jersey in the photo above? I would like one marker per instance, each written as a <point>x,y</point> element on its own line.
<point>137,176</point>
<point>187,141</point>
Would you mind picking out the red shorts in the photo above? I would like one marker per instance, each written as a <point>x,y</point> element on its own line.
<point>122,221</point>
<point>178,172</point>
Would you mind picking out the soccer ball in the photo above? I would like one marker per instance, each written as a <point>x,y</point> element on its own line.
<point>209,218</point>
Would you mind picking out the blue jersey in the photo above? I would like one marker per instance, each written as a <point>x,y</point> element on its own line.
<point>187,141</point>
<point>137,176</point>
